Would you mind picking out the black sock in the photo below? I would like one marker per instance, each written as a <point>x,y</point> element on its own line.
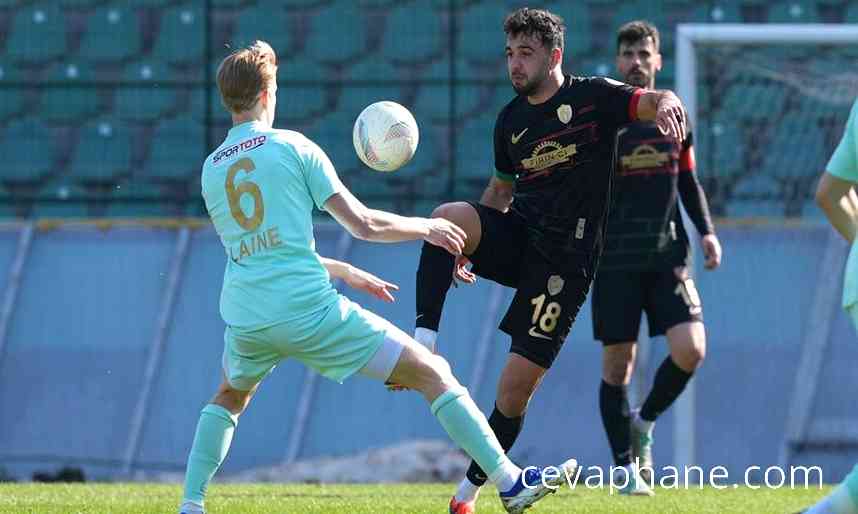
<point>670,381</point>
<point>434,275</point>
<point>506,430</point>
<point>614,404</point>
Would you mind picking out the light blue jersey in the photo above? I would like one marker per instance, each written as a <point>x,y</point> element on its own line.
<point>844,164</point>
<point>260,186</point>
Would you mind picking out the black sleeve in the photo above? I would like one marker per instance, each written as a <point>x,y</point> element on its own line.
<point>616,101</point>
<point>504,169</point>
<point>691,192</point>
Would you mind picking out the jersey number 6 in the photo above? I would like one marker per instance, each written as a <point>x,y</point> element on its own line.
<point>233,195</point>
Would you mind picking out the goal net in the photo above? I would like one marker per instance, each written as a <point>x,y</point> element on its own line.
<point>769,103</point>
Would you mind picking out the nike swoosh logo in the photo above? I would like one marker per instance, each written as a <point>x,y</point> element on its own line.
<point>516,137</point>
<point>534,333</point>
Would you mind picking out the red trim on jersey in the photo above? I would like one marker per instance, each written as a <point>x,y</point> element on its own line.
<point>633,104</point>
<point>686,159</point>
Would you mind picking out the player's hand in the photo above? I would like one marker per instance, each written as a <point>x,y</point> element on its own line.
<point>447,235</point>
<point>670,118</point>
<point>369,283</point>
<point>711,250</point>
<point>461,273</point>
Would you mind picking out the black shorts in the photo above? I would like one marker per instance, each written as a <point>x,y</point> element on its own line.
<point>668,297</point>
<point>548,294</point>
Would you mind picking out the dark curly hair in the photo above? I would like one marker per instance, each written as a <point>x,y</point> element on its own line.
<point>637,30</point>
<point>537,23</point>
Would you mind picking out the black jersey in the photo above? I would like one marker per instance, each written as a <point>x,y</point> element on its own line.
<point>645,229</point>
<point>560,153</point>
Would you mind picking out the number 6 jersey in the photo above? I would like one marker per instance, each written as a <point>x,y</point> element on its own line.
<point>260,186</point>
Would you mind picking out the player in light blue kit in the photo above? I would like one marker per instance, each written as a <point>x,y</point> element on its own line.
<point>836,196</point>
<point>260,187</point>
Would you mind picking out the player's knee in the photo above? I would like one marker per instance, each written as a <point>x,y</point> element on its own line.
<point>446,211</point>
<point>233,400</point>
<point>442,372</point>
<point>690,356</point>
<point>514,396</point>
<point>617,372</point>
<point>618,364</point>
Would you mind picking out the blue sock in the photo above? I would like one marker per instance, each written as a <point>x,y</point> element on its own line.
<point>468,427</point>
<point>211,444</point>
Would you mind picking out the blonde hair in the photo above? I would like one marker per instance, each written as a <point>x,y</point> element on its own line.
<point>244,73</point>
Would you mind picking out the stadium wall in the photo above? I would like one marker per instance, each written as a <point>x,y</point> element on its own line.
<point>84,324</point>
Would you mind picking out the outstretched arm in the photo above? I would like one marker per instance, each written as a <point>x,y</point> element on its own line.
<point>385,227</point>
<point>360,279</point>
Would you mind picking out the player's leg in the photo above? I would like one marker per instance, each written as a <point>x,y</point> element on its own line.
<point>349,339</point>
<point>843,500</point>
<point>617,303</point>
<point>243,370</point>
<point>419,369</point>
<point>494,245</point>
<point>518,381</point>
<point>435,271</point>
<point>673,308</point>
<point>539,318</point>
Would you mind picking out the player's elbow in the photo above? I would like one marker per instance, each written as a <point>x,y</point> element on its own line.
<point>824,196</point>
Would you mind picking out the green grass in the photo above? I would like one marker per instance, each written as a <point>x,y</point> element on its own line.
<point>380,499</point>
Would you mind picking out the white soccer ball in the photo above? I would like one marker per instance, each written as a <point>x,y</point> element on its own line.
<point>385,136</point>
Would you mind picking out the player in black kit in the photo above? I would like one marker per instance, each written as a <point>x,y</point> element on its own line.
<point>539,225</point>
<point>644,267</point>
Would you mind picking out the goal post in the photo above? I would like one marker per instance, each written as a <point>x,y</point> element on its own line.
<point>840,83</point>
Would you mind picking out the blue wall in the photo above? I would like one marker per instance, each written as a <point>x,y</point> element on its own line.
<point>86,316</point>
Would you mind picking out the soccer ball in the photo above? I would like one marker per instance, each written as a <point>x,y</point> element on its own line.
<point>385,136</point>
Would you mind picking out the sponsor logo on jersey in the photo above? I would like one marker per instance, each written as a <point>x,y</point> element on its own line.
<point>645,156</point>
<point>516,137</point>
<point>547,154</point>
<point>244,146</point>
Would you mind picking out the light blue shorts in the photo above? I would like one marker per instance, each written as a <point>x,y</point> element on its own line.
<point>337,342</point>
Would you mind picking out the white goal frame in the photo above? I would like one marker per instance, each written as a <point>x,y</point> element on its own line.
<point>687,37</point>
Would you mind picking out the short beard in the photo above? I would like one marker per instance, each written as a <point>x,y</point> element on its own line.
<point>642,82</point>
<point>532,87</point>
<point>528,89</point>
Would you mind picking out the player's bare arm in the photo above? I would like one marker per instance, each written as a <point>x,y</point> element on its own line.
<point>498,194</point>
<point>385,227</point>
<point>666,110</point>
<point>359,279</point>
<point>836,198</point>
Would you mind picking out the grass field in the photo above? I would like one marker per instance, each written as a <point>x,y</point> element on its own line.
<point>379,499</point>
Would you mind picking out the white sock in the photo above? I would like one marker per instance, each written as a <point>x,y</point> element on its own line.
<point>426,337</point>
<point>505,476</point>
<point>467,491</point>
<point>642,424</point>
